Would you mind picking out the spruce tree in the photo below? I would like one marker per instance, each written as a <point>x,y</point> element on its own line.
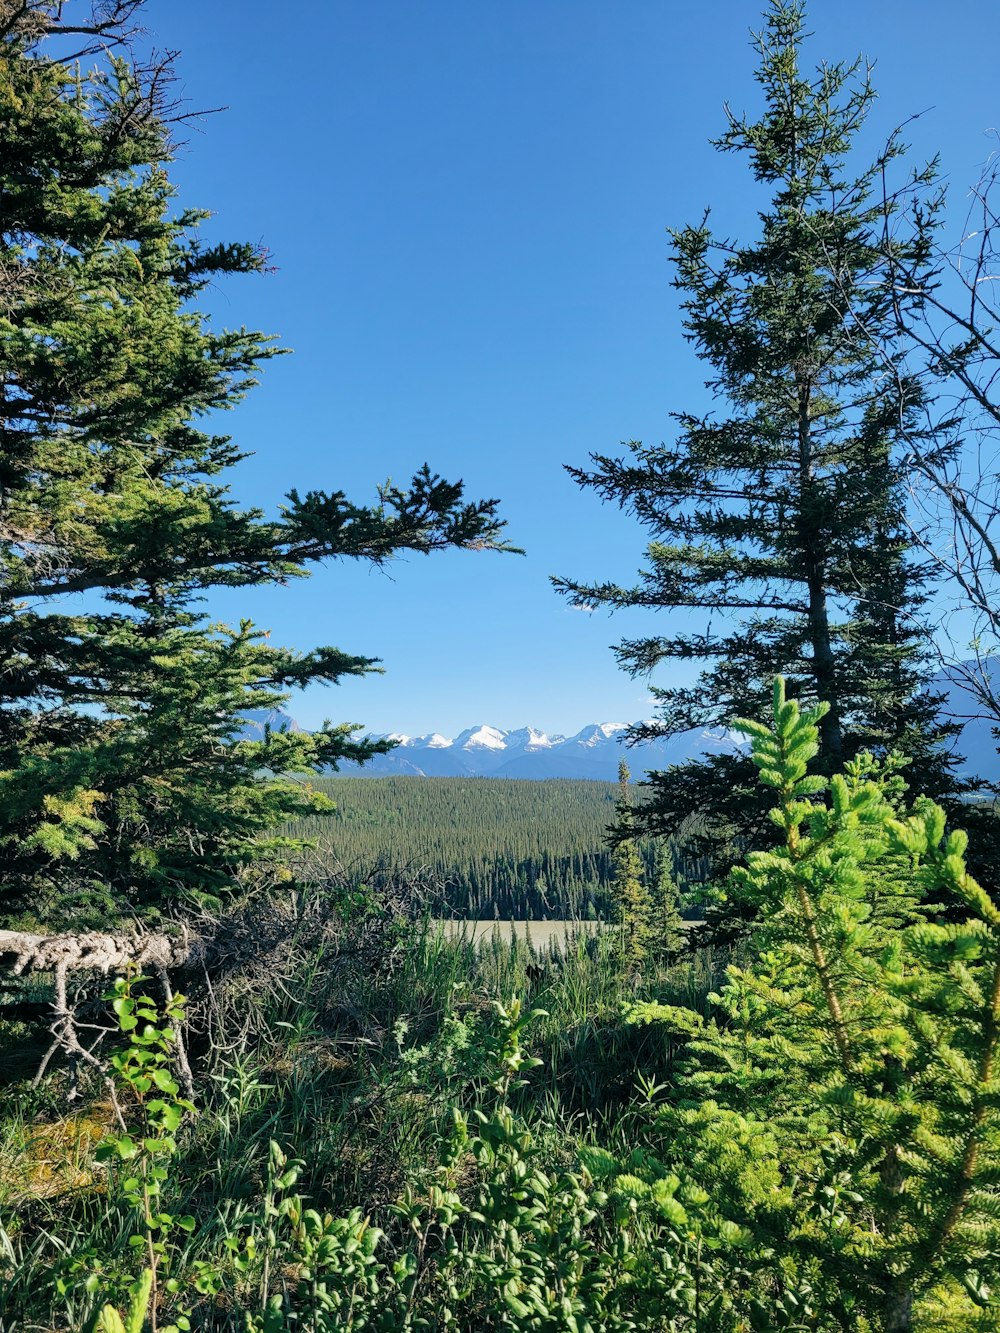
<point>630,899</point>
<point>666,922</point>
<point>839,1112</point>
<point>782,517</point>
<point>123,784</point>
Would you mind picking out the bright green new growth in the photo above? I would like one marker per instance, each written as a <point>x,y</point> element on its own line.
<point>843,1110</point>
<point>109,1320</point>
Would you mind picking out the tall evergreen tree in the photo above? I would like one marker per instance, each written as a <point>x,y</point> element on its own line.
<point>630,898</point>
<point>666,922</point>
<point>783,518</point>
<point>123,783</point>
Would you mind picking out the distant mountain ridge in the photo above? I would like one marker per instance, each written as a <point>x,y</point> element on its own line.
<point>526,752</point>
<point>977,743</point>
<point>594,751</point>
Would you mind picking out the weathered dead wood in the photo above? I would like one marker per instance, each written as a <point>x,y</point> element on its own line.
<point>91,951</point>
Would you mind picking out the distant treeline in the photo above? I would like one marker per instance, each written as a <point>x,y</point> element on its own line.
<point>484,846</point>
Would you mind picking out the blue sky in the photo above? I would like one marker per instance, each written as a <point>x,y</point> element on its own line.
<point>466,204</point>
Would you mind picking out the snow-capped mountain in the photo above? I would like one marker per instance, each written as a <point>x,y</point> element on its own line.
<point>595,750</point>
<point>599,733</point>
<point>527,738</point>
<point>481,738</point>
<point>435,741</point>
<point>527,752</point>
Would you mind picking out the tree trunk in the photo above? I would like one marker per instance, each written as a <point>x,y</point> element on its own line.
<point>91,951</point>
<point>898,1307</point>
<point>897,1314</point>
<point>815,556</point>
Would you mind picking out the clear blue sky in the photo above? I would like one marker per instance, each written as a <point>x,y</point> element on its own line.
<point>466,204</point>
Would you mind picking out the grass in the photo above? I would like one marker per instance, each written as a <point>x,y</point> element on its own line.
<point>353,1068</point>
<point>354,1061</point>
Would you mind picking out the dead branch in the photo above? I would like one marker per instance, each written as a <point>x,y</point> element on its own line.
<point>93,952</point>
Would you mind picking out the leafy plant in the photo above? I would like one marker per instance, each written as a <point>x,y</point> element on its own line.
<point>143,1072</point>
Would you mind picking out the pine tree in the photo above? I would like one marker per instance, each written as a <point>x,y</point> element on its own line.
<point>783,519</point>
<point>631,903</point>
<point>666,922</point>
<point>123,784</point>
<point>839,1115</point>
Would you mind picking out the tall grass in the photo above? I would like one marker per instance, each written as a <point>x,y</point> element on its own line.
<point>353,1067</point>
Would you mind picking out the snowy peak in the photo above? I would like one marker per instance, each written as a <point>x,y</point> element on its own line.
<point>481,738</point>
<point>523,740</point>
<point>598,733</point>
<point>527,752</point>
<point>527,738</point>
<point>433,741</point>
<point>594,752</point>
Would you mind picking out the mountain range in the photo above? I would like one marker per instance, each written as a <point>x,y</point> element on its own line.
<point>594,752</point>
<point>486,751</point>
<point>527,752</point>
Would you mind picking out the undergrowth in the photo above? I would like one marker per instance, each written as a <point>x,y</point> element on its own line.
<point>356,1065</point>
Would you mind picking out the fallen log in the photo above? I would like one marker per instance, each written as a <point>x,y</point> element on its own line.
<point>91,951</point>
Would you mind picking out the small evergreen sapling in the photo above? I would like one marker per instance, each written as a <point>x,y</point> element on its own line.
<point>842,1109</point>
<point>667,924</point>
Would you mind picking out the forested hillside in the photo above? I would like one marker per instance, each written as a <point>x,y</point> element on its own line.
<point>477,847</point>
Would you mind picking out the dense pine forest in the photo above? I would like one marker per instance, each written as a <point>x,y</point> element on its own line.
<point>248,1085</point>
<point>479,847</point>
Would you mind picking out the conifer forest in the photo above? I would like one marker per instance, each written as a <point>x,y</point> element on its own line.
<point>249,1081</point>
<point>482,847</point>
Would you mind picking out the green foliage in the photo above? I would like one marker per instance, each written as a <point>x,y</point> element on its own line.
<point>815,1145</point>
<point>840,1108</point>
<point>532,1248</point>
<point>108,1320</point>
<point>360,1056</point>
<point>337,1273</point>
<point>780,522</point>
<point>631,903</point>
<point>442,1181</point>
<point>140,1153</point>
<point>122,784</point>
<point>666,922</point>
<point>480,847</point>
